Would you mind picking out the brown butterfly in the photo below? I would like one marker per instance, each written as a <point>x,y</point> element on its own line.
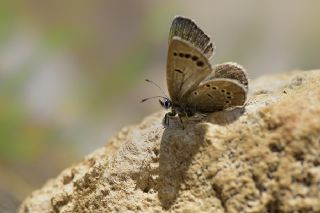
<point>194,86</point>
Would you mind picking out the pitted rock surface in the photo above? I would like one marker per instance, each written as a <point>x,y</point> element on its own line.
<point>264,157</point>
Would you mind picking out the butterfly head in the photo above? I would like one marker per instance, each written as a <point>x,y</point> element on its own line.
<point>165,103</point>
<point>164,100</point>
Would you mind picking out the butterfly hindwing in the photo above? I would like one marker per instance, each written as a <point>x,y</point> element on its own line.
<point>216,94</point>
<point>230,70</point>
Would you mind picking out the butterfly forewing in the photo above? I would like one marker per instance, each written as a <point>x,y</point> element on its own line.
<point>187,30</point>
<point>187,66</point>
<point>216,94</point>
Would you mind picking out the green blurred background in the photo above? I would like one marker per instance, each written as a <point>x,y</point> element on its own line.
<point>72,72</point>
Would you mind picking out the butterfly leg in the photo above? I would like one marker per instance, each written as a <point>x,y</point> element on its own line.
<point>166,118</point>
<point>181,121</point>
<point>165,121</point>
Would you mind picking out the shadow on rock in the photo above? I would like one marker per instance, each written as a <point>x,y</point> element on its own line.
<point>178,148</point>
<point>225,117</point>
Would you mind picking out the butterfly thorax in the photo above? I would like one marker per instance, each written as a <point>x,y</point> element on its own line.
<point>182,110</point>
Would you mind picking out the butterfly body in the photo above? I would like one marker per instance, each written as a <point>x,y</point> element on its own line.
<point>176,108</point>
<point>180,111</point>
<point>195,87</point>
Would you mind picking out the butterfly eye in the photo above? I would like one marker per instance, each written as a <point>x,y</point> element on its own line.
<point>167,104</point>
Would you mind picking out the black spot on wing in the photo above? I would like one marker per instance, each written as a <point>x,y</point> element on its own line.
<point>200,64</point>
<point>179,71</point>
<point>189,56</point>
<point>194,58</point>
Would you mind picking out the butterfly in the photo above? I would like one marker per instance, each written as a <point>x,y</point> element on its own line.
<point>196,87</point>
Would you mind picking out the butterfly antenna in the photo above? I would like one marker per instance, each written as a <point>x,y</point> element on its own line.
<point>149,81</point>
<point>158,96</point>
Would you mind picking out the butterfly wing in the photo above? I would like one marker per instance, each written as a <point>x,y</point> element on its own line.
<point>216,94</point>
<point>187,30</point>
<point>188,53</point>
<point>186,68</point>
<point>230,70</point>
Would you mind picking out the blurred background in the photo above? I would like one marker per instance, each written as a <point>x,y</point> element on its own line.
<point>72,72</point>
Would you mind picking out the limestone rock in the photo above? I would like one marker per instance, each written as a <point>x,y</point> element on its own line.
<point>261,158</point>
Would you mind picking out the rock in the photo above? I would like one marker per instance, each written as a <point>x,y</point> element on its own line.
<point>261,158</point>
